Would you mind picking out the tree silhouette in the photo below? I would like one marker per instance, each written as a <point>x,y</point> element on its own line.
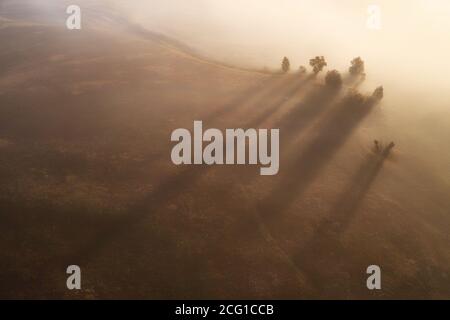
<point>302,70</point>
<point>317,63</point>
<point>378,94</point>
<point>357,67</point>
<point>285,65</point>
<point>333,79</point>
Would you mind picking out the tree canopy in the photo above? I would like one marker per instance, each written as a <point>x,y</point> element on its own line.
<point>333,79</point>
<point>357,66</point>
<point>285,65</point>
<point>318,63</point>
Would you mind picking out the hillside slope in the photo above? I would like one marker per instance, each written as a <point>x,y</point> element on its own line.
<point>86,178</point>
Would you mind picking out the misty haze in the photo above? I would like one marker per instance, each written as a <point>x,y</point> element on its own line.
<point>86,176</point>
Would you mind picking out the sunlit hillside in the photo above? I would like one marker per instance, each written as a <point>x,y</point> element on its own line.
<point>86,176</point>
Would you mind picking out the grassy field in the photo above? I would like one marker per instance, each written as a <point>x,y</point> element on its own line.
<point>86,178</point>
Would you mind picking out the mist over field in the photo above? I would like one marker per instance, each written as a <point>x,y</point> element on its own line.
<point>409,54</point>
<point>85,170</point>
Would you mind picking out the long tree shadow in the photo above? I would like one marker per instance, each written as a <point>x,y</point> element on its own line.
<point>168,189</point>
<point>302,168</point>
<point>324,245</point>
<point>360,184</point>
<point>315,103</point>
<point>353,81</point>
<point>118,227</point>
<point>318,101</point>
<point>103,230</point>
<point>280,101</point>
<point>255,94</point>
<point>258,91</point>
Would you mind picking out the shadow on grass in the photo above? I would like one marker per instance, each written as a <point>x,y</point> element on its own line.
<point>324,244</point>
<point>168,190</point>
<point>301,169</point>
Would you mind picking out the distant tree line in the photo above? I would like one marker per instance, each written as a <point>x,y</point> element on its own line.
<point>333,78</point>
<point>318,63</point>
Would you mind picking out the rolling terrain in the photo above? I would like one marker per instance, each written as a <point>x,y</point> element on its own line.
<point>86,176</point>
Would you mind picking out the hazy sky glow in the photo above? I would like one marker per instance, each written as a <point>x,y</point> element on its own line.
<point>408,56</point>
<point>413,42</point>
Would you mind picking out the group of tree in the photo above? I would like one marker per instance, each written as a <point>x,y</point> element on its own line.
<point>333,78</point>
<point>318,63</point>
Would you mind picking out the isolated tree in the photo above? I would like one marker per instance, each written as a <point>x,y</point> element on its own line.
<point>378,94</point>
<point>333,79</point>
<point>377,146</point>
<point>357,67</point>
<point>302,70</point>
<point>285,65</point>
<point>317,63</point>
